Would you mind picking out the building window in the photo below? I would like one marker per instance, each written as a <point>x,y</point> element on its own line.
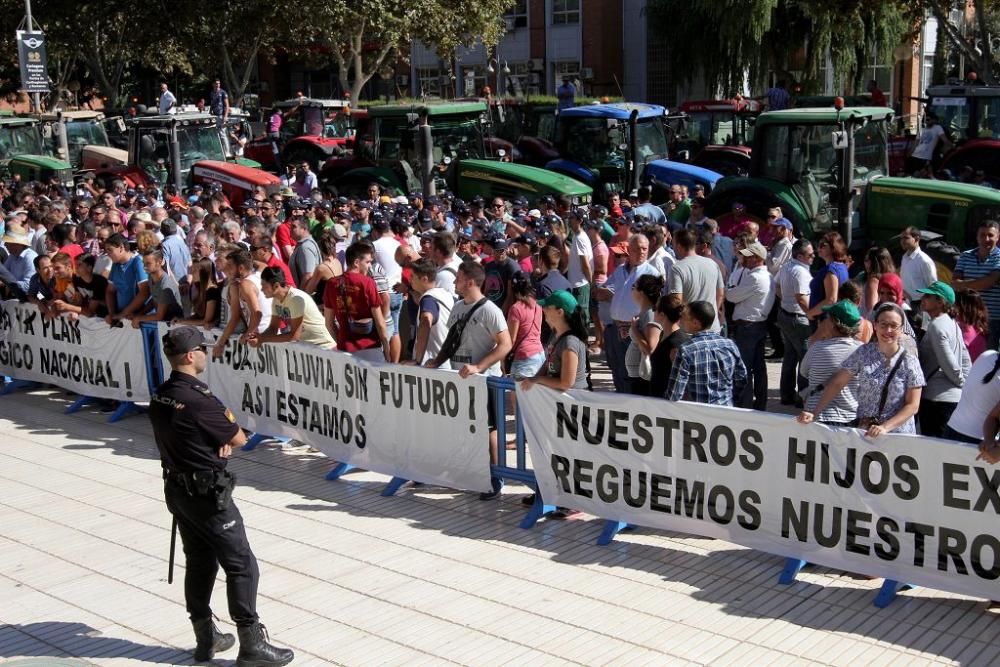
<point>517,16</point>
<point>565,12</point>
<point>473,80</point>
<point>430,80</point>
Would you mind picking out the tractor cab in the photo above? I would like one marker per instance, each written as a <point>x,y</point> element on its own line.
<point>440,146</point>
<point>69,133</point>
<point>609,145</point>
<point>183,149</point>
<point>813,163</point>
<point>966,112</point>
<point>715,134</point>
<point>23,153</point>
<point>313,131</point>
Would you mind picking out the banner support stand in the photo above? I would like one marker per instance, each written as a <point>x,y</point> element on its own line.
<point>80,404</point>
<point>258,438</point>
<point>611,528</point>
<point>15,385</point>
<point>393,486</point>
<point>124,409</point>
<point>537,511</point>
<point>886,594</point>
<point>791,570</point>
<point>339,470</point>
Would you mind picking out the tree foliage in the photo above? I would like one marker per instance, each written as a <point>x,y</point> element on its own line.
<point>360,35</point>
<point>731,42</point>
<point>976,40</point>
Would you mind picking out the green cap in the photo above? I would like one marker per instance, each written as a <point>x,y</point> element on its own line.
<point>561,299</point>
<point>845,312</point>
<point>942,290</point>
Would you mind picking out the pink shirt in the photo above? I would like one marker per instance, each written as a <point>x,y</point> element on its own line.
<point>525,264</point>
<point>275,123</point>
<point>975,342</point>
<point>601,250</point>
<point>529,329</point>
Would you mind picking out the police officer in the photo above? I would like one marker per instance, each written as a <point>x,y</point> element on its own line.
<point>196,434</point>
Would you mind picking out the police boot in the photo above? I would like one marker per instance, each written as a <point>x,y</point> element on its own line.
<point>210,640</point>
<point>256,651</point>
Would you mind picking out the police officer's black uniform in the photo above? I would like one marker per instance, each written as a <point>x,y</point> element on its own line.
<point>191,426</point>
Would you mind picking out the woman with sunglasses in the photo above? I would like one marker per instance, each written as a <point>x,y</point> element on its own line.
<point>889,380</point>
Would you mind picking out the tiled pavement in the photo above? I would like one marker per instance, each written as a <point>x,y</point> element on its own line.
<point>430,577</point>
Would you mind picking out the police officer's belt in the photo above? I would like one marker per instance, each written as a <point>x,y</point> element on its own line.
<point>199,482</point>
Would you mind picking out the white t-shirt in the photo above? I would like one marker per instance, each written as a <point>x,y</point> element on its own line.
<point>927,142</point>
<point>917,272</point>
<point>446,275</point>
<point>479,336</point>
<point>385,254</point>
<point>299,304</point>
<point>793,279</point>
<point>581,248</point>
<point>977,398</point>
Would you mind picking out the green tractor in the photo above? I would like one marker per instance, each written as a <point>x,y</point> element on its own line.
<point>432,147</point>
<point>23,155</point>
<point>826,169</point>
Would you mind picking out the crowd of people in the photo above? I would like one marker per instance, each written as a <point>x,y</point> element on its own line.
<point>679,306</point>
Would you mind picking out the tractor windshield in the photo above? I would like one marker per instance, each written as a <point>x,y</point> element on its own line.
<point>592,142</point>
<point>337,124</point>
<point>19,140</point>
<point>652,140</point>
<point>80,133</point>
<point>198,143</point>
<point>805,153</point>
<point>953,115</point>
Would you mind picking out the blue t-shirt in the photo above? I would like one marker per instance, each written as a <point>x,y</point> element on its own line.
<point>126,278</point>
<point>817,292</point>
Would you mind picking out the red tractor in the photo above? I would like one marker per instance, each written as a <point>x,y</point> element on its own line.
<point>313,131</point>
<point>716,134</point>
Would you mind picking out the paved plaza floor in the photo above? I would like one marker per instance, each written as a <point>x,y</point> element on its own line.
<point>429,577</point>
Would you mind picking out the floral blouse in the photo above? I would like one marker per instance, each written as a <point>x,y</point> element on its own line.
<point>871,369</point>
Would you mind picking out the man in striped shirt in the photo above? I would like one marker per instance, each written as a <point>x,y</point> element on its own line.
<point>979,269</point>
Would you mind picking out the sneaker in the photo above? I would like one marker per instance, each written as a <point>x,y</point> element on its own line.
<point>497,488</point>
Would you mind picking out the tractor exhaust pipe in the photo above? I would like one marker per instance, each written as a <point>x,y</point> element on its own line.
<point>633,149</point>
<point>175,158</point>
<point>425,143</point>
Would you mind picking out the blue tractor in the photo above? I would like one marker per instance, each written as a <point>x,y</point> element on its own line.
<point>616,147</point>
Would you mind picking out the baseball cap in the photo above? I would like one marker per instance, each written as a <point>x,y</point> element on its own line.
<point>182,339</point>
<point>593,224</point>
<point>940,289</point>
<point>782,222</point>
<point>755,248</point>
<point>620,248</point>
<point>844,311</point>
<point>496,242</point>
<point>526,239</point>
<point>560,299</point>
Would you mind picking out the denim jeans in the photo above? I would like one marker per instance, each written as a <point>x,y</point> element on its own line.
<point>749,338</point>
<point>614,353</point>
<point>795,331</point>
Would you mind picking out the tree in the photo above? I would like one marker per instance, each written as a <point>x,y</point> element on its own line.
<point>229,45</point>
<point>361,34</point>
<point>974,39</point>
<point>752,37</point>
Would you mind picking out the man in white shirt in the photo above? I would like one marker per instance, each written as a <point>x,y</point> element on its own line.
<point>781,249</point>
<point>752,292</point>
<point>659,254</point>
<point>443,253</point>
<point>167,99</point>
<point>927,143</point>
<point>618,290</point>
<point>793,291</point>
<point>917,269</point>
<point>580,269</point>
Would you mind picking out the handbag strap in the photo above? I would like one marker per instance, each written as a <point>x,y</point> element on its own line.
<point>888,380</point>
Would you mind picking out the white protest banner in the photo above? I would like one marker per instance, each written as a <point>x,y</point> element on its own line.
<point>916,510</point>
<point>85,356</point>
<point>416,423</point>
